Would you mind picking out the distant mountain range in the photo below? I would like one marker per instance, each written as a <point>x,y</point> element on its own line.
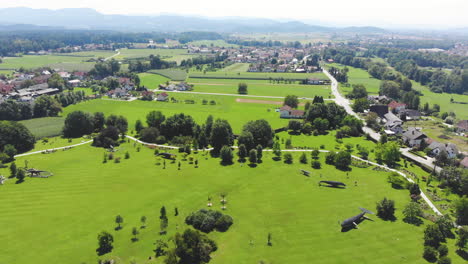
<point>19,18</point>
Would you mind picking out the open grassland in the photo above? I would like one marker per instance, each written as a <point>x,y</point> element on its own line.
<point>86,90</point>
<point>54,61</point>
<point>358,76</point>
<point>140,53</point>
<point>216,43</point>
<point>259,87</point>
<point>236,67</point>
<point>443,99</point>
<point>151,80</point>
<point>45,126</point>
<point>258,75</point>
<point>62,215</point>
<point>226,108</point>
<point>173,74</point>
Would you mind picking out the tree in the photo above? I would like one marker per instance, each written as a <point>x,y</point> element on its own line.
<point>46,105</point>
<point>412,212</point>
<point>149,134</point>
<point>119,122</point>
<point>13,170</point>
<point>315,153</point>
<point>303,158</point>
<point>288,158</point>
<point>55,81</point>
<point>390,89</point>
<point>226,155</point>
<point>277,149</point>
<point>291,100</point>
<point>242,88</point>
<point>221,134</point>
<point>432,236</point>
<point>360,105</point>
<point>246,139</point>
<point>193,247</point>
<point>343,160</point>
<point>444,260</point>
<point>321,124</point>
<point>259,152</point>
<point>119,220</point>
<point>316,164</point>
<point>430,254</point>
<point>155,119</point>
<point>20,175</point>
<point>161,248</point>
<point>295,125</point>
<point>105,241</point>
<point>388,152</point>
<point>359,91</point>
<point>414,189</point>
<point>143,221</point>
<point>16,134</point>
<point>242,153</point>
<point>443,250</point>
<point>98,121</point>
<point>330,158</point>
<point>10,151</point>
<point>253,156</point>
<point>461,211</point>
<point>138,126</point>
<point>442,158</point>
<point>462,240</point>
<point>396,180</point>
<point>386,209</point>
<point>261,131</point>
<point>135,233</point>
<point>77,124</point>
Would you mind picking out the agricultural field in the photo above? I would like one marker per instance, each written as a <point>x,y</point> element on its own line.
<point>259,87</point>
<point>44,126</point>
<point>236,67</point>
<point>358,76</point>
<point>259,75</point>
<point>215,43</point>
<point>151,80</point>
<point>173,74</point>
<point>302,217</point>
<point>55,61</point>
<point>140,53</point>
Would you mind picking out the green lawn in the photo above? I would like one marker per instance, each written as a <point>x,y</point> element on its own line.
<point>173,74</point>
<point>259,87</point>
<point>443,99</point>
<point>62,215</point>
<point>86,90</point>
<point>55,61</point>
<point>151,80</point>
<point>226,107</point>
<point>45,126</point>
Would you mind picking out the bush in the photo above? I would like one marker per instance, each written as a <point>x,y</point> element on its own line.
<point>444,260</point>
<point>430,254</point>
<point>316,164</point>
<point>330,158</point>
<point>288,158</point>
<point>208,220</point>
<point>386,209</point>
<point>443,250</point>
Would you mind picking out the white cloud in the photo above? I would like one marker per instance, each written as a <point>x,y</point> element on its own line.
<point>434,13</point>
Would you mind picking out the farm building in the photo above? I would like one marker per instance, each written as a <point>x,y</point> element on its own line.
<point>413,137</point>
<point>437,147</point>
<point>287,112</point>
<point>162,97</point>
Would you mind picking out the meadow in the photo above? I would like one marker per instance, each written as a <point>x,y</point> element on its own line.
<point>173,74</point>
<point>140,53</point>
<point>259,75</point>
<point>68,63</point>
<point>84,196</point>
<point>151,80</point>
<point>44,126</point>
<point>216,43</point>
<point>236,67</point>
<point>358,76</point>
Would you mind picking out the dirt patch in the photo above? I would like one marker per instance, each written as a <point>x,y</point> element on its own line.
<point>253,101</point>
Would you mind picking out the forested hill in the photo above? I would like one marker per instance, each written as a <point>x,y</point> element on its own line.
<point>83,18</point>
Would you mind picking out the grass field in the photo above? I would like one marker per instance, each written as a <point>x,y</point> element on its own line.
<point>260,75</point>
<point>236,67</point>
<point>151,80</point>
<point>259,87</point>
<point>54,61</point>
<point>173,74</point>
<point>45,126</point>
<point>139,53</point>
<point>358,76</point>
<point>216,43</point>
<point>62,215</point>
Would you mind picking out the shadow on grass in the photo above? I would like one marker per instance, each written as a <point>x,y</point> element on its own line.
<point>103,250</point>
<point>117,228</point>
<point>276,158</point>
<point>391,219</point>
<point>413,221</point>
<point>463,254</point>
<point>252,165</point>
<point>223,163</point>
<point>19,181</point>
<point>134,239</point>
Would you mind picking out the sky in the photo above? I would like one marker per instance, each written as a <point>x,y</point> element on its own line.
<point>389,13</point>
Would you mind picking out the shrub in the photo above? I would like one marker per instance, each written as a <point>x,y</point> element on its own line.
<point>444,260</point>
<point>288,158</point>
<point>386,209</point>
<point>330,158</point>
<point>316,164</point>
<point>443,250</point>
<point>208,220</point>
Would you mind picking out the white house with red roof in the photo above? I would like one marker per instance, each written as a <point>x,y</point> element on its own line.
<point>394,105</point>
<point>162,97</point>
<point>288,112</point>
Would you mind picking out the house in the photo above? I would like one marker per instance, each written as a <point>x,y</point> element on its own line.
<point>287,112</point>
<point>409,114</point>
<point>437,147</point>
<point>79,75</point>
<point>74,83</point>
<point>464,163</point>
<point>253,69</point>
<point>380,110</point>
<point>393,123</point>
<point>378,99</point>
<point>413,137</point>
<point>314,81</point>
<point>64,75</point>
<point>282,68</point>
<point>162,97</point>
<point>462,126</point>
<point>396,106</point>
<point>118,92</point>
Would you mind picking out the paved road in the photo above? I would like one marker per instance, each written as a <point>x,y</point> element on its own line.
<point>242,95</point>
<point>110,57</point>
<point>52,149</point>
